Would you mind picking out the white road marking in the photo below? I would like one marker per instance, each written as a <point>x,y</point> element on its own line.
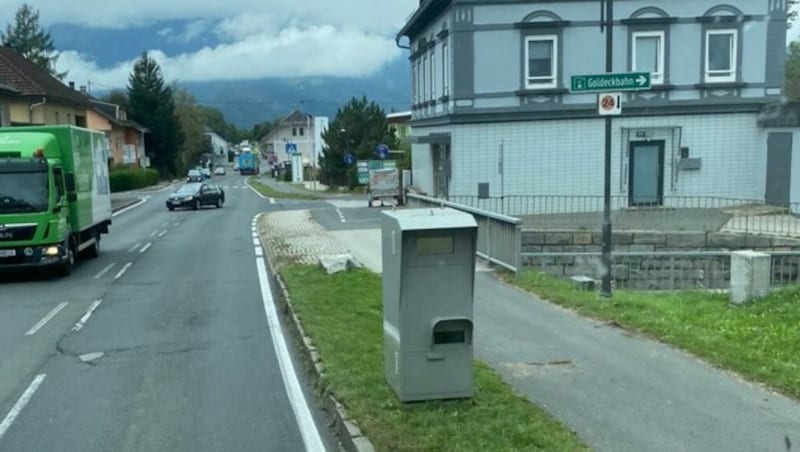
<point>132,206</point>
<point>134,247</point>
<point>46,318</point>
<point>255,191</point>
<point>82,322</point>
<point>341,215</point>
<point>256,242</point>
<point>259,251</point>
<point>272,200</point>
<point>255,235</point>
<point>235,186</point>
<point>161,234</point>
<point>123,270</point>
<point>105,270</point>
<point>177,224</point>
<point>146,247</point>
<point>153,234</point>
<point>20,405</point>
<point>89,357</point>
<point>308,429</point>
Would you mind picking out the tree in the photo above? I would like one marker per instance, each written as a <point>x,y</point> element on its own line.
<point>792,12</point>
<point>152,105</point>
<point>193,124</point>
<point>357,128</point>
<point>118,97</point>
<point>28,39</point>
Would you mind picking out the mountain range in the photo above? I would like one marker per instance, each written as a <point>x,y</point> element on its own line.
<point>242,102</point>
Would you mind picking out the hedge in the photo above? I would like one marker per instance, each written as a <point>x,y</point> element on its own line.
<point>131,179</point>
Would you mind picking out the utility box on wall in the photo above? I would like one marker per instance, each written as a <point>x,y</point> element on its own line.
<point>428,284</point>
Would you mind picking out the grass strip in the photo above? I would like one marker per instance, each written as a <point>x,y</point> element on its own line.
<point>759,340</point>
<point>342,314</point>
<point>270,192</point>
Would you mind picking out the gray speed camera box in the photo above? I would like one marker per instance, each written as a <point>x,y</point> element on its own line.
<point>428,282</point>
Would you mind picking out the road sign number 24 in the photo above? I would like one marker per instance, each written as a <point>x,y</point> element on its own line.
<point>609,103</point>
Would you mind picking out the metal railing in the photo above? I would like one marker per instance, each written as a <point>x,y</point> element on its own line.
<point>674,213</point>
<point>499,236</point>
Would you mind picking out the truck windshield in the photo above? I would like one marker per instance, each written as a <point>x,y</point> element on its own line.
<point>23,191</point>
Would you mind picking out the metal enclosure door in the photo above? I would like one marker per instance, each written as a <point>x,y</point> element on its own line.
<point>779,168</point>
<point>646,173</point>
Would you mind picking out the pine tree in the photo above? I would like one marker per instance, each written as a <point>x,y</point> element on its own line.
<point>28,39</point>
<point>151,104</point>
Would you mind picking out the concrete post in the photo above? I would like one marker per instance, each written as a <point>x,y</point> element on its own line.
<point>750,275</point>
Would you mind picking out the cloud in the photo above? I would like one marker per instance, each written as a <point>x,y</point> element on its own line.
<point>293,51</point>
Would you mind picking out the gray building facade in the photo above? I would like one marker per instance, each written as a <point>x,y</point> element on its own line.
<point>491,102</point>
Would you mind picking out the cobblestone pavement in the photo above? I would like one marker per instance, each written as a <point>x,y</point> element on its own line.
<point>293,237</point>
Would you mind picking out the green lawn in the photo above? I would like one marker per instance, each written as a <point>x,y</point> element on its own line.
<point>266,190</point>
<point>342,314</point>
<point>760,340</point>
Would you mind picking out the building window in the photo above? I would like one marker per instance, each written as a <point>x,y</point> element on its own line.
<point>414,82</point>
<point>69,118</point>
<point>57,117</point>
<point>294,131</point>
<point>301,131</point>
<point>433,75</point>
<point>445,70</point>
<point>720,61</point>
<point>648,54</point>
<point>424,78</point>
<point>541,61</point>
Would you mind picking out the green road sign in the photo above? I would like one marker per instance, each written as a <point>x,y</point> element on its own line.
<point>630,81</point>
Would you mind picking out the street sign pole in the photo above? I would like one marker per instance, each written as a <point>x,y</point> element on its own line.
<point>605,287</point>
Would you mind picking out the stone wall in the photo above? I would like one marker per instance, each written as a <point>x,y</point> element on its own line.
<point>652,260</point>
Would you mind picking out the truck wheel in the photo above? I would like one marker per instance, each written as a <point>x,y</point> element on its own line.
<point>69,264</point>
<point>196,205</point>
<point>94,250</point>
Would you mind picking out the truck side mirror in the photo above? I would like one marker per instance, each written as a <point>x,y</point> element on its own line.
<point>69,180</point>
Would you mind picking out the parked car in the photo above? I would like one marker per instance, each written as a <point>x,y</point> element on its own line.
<point>219,171</point>
<point>205,172</point>
<point>195,195</point>
<point>194,176</point>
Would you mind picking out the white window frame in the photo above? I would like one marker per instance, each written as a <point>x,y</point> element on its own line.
<point>416,82</point>
<point>424,71</point>
<point>550,81</point>
<point>445,70</point>
<point>432,67</point>
<point>656,78</point>
<point>710,76</point>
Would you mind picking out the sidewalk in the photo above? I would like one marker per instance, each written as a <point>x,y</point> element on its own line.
<point>617,390</point>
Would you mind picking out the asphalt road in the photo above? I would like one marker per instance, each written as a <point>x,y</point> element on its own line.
<point>162,343</point>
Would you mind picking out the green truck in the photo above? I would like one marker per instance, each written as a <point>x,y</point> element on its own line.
<point>55,198</point>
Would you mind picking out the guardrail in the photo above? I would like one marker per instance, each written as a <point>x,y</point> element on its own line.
<point>687,213</point>
<point>499,236</point>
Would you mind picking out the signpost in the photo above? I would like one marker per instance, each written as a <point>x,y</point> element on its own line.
<point>623,81</point>
<point>609,104</point>
<point>382,151</point>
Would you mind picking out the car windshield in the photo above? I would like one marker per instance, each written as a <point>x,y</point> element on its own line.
<point>187,189</point>
<point>23,191</point>
<point>194,172</point>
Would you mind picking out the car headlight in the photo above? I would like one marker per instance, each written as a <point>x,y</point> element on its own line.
<point>188,198</point>
<point>51,251</point>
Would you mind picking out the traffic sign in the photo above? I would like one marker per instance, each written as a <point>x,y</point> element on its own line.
<point>349,159</point>
<point>609,104</point>
<point>630,81</point>
<point>381,151</point>
<point>291,148</point>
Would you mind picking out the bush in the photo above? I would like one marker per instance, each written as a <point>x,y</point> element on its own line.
<point>132,178</point>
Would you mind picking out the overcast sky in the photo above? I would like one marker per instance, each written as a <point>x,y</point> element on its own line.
<point>251,38</point>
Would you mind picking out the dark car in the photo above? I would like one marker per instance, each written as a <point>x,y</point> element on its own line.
<point>196,195</point>
<point>195,176</point>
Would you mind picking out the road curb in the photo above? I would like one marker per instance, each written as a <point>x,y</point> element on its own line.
<point>350,435</point>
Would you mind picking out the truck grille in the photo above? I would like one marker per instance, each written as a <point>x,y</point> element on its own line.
<point>10,233</point>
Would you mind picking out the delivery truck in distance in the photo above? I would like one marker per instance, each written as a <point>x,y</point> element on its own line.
<point>55,198</point>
